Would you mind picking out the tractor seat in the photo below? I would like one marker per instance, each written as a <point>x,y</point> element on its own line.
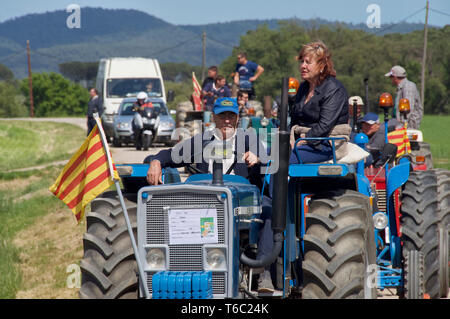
<point>353,156</point>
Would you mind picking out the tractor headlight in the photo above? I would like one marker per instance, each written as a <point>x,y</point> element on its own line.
<point>215,259</point>
<point>156,259</point>
<point>380,220</point>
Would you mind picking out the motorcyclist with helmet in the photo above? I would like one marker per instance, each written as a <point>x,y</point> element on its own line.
<point>139,108</point>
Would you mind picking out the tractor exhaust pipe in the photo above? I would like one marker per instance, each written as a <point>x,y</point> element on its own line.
<point>279,203</point>
<point>217,173</point>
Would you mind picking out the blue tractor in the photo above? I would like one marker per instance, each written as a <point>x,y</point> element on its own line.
<point>197,238</point>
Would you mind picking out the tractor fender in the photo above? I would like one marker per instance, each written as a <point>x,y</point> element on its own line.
<point>397,176</point>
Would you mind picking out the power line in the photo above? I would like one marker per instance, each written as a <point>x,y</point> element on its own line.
<point>221,42</point>
<point>173,47</point>
<point>403,20</point>
<point>46,55</point>
<point>441,12</point>
<point>3,59</point>
<point>215,40</point>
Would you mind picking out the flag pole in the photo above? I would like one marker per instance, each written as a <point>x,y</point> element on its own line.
<point>124,208</point>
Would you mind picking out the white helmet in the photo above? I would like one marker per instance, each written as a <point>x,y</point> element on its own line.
<point>142,96</point>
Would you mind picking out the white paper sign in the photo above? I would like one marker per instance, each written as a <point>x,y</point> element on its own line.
<point>193,226</point>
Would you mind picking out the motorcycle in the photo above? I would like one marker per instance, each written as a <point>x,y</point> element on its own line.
<point>145,126</point>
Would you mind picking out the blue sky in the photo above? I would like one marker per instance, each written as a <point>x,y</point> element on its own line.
<point>211,11</point>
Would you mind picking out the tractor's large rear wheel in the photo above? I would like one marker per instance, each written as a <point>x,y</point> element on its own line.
<point>443,261</point>
<point>108,267</point>
<point>339,247</point>
<point>413,275</point>
<point>419,224</point>
<point>443,179</point>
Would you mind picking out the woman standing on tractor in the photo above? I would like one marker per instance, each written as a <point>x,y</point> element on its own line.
<point>320,107</point>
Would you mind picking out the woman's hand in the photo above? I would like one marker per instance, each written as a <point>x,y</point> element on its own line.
<point>302,142</point>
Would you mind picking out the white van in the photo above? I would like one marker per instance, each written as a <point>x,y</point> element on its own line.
<point>118,78</point>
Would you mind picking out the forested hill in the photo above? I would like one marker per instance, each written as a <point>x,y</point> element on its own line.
<point>106,32</point>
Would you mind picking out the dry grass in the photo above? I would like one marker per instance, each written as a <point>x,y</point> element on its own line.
<point>47,248</point>
<point>17,184</point>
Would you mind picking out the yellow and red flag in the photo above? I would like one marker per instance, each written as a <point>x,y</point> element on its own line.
<point>400,138</point>
<point>196,96</point>
<point>86,175</point>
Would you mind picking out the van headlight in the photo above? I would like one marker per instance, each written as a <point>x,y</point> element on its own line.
<point>156,258</point>
<point>380,220</point>
<point>215,259</point>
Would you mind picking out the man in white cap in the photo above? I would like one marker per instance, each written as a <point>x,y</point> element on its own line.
<point>406,90</point>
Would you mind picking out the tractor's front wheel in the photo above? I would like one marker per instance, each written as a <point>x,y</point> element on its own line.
<point>108,267</point>
<point>339,247</point>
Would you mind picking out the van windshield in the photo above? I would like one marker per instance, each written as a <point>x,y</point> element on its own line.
<point>119,88</point>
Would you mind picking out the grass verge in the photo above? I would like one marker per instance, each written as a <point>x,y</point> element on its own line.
<point>28,143</point>
<point>39,238</point>
<point>436,132</point>
<point>25,202</point>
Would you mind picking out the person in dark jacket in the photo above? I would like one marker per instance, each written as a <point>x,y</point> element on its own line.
<point>321,103</point>
<point>245,164</point>
<point>226,118</point>
<point>95,105</point>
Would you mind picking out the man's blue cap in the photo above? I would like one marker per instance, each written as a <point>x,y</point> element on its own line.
<point>371,118</point>
<point>226,104</point>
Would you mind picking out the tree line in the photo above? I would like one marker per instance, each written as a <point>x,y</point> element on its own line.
<point>357,55</point>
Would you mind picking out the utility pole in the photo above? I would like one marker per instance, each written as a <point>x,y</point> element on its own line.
<point>30,81</point>
<point>424,57</point>
<point>367,101</point>
<point>203,55</point>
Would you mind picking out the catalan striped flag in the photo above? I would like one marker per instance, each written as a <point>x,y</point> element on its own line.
<point>196,96</point>
<point>400,138</point>
<point>86,175</point>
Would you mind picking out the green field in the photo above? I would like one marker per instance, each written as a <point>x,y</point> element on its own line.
<point>27,144</point>
<point>24,196</point>
<point>436,132</point>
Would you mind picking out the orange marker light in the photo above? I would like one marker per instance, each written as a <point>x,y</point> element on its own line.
<point>420,159</point>
<point>294,84</point>
<point>385,100</point>
<point>403,106</point>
